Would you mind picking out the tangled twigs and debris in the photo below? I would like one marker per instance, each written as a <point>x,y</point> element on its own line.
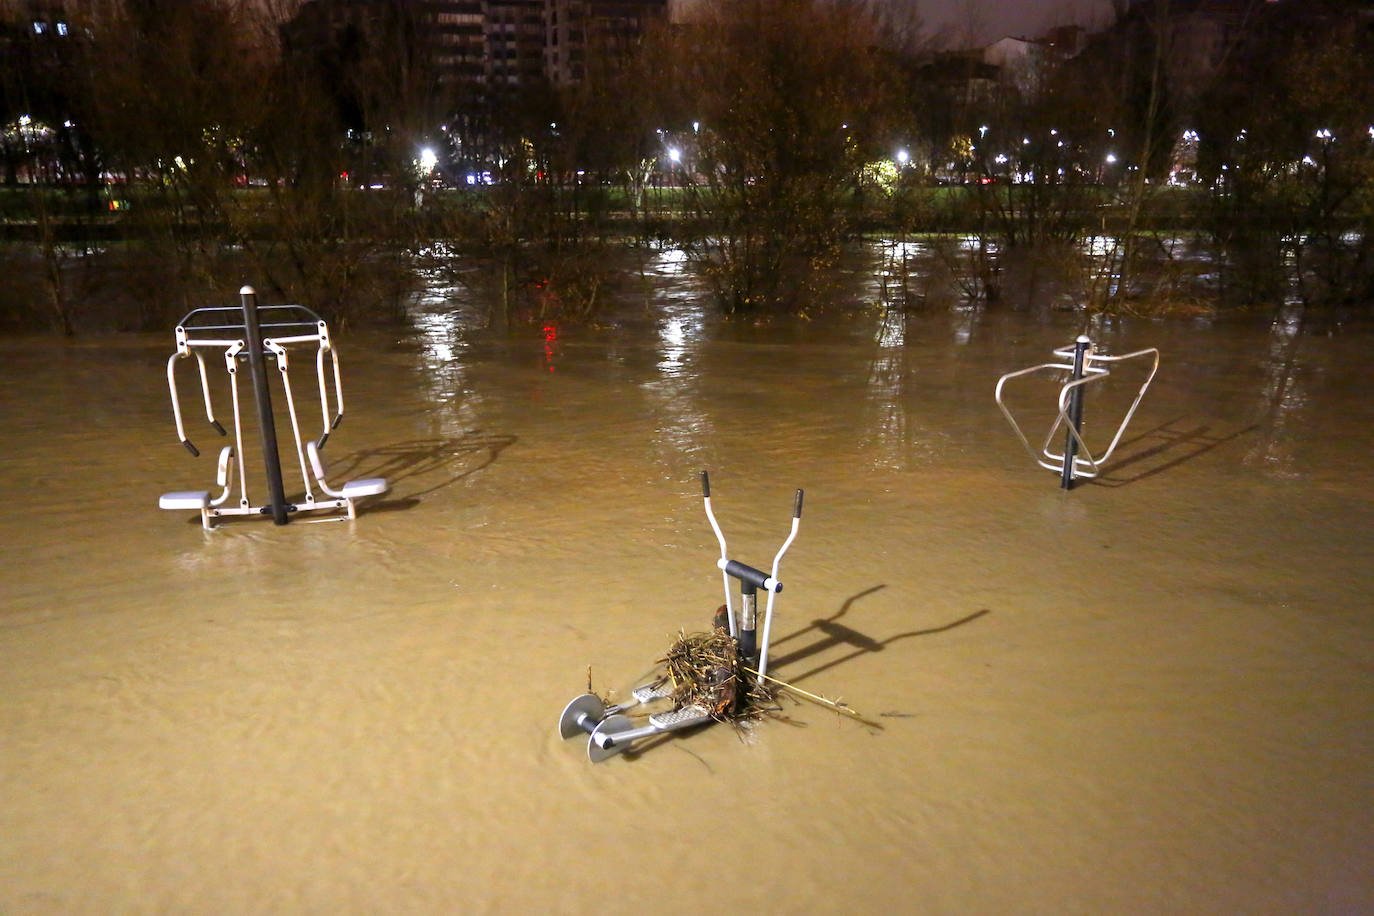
<point>704,669</point>
<point>839,706</point>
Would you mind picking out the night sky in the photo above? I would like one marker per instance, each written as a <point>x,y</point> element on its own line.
<point>995,19</point>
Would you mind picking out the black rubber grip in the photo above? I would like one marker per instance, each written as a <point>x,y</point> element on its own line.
<point>796,509</point>
<point>705,486</point>
<point>216,425</point>
<point>191,448</point>
<point>337,421</point>
<point>747,574</point>
<point>323,440</point>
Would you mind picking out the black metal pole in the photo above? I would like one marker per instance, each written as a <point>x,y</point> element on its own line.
<point>1080,349</point>
<point>270,459</point>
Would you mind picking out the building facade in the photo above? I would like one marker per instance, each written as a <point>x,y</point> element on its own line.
<point>495,44</point>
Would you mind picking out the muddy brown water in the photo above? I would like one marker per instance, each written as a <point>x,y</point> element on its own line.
<point>1151,694</point>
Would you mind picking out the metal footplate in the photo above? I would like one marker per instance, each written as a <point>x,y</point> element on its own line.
<point>585,713</point>
<point>682,717</point>
<point>654,690</point>
<point>617,732</point>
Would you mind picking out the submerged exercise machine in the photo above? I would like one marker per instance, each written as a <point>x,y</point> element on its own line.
<point>236,333</point>
<point>612,731</point>
<point>1083,366</point>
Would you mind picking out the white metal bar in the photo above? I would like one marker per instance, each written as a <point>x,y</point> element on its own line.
<point>1087,465</point>
<point>297,338</point>
<point>172,386</point>
<point>1016,427</point>
<point>772,592</point>
<point>231,356</point>
<point>1139,394</point>
<point>213,343</point>
<point>282,364</point>
<point>724,576</point>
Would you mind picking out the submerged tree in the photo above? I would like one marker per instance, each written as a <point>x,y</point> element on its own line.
<point>1286,146</point>
<point>773,107</point>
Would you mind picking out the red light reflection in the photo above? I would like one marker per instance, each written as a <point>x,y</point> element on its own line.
<point>550,339</point>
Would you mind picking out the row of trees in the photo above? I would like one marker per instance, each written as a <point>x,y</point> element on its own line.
<point>784,128</point>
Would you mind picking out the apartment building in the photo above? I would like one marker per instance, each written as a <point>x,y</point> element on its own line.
<point>495,44</point>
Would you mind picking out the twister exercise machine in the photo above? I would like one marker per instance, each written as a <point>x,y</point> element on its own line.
<point>1083,366</point>
<point>612,731</point>
<point>236,333</point>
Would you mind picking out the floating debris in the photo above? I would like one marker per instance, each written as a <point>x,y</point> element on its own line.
<point>704,670</point>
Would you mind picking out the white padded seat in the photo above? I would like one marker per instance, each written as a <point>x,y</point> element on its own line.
<point>185,499</point>
<point>368,486</point>
<point>353,489</point>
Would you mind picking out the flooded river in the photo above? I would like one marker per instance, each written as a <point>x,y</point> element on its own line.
<point>1151,694</point>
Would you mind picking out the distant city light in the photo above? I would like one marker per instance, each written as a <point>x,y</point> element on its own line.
<point>1111,157</point>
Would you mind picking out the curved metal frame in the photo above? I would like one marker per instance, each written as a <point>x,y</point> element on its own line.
<point>1087,465</point>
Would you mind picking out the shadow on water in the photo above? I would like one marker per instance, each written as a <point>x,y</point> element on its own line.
<point>833,634</point>
<point>454,458</point>
<point>1193,443</point>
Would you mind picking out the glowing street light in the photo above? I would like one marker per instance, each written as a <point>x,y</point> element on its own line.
<point>675,154</point>
<point>428,160</point>
<point>903,157</point>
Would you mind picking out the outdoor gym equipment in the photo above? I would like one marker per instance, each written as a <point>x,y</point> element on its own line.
<point>1084,366</point>
<point>611,731</point>
<point>236,332</point>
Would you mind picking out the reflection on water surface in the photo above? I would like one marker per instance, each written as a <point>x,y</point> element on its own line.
<point>1160,677</point>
